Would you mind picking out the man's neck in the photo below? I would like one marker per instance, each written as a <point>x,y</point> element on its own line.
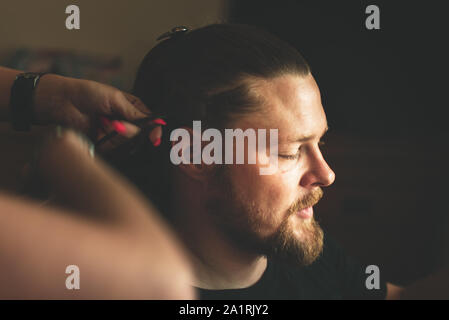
<point>217,263</point>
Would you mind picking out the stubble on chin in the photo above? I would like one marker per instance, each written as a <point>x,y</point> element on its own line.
<point>301,245</point>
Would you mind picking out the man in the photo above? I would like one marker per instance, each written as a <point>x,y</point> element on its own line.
<point>250,236</point>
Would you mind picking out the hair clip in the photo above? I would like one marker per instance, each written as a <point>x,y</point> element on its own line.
<point>173,32</point>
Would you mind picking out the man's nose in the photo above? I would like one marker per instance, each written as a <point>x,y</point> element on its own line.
<point>318,174</point>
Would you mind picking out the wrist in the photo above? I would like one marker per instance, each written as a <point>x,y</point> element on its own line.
<point>21,101</point>
<point>51,96</point>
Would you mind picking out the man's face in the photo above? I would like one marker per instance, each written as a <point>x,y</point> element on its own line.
<point>263,213</point>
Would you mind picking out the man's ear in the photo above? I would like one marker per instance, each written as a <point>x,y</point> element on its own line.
<point>190,164</point>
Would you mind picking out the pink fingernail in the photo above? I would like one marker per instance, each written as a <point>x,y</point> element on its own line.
<point>157,142</point>
<point>159,121</point>
<point>119,127</point>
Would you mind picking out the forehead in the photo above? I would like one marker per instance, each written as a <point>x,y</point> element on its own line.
<point>292,104</point>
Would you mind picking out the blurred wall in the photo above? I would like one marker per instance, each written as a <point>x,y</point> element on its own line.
<point>123,28</point>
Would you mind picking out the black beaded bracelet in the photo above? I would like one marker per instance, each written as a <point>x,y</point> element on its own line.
<point>21,101</point>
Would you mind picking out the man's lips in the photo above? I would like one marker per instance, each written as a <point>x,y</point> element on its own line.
<point>305,213</point>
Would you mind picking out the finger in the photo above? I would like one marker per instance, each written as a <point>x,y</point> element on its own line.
<point>123,128</point>
<point>136,102</point>
<point>127,131</point>
<point>155,136</point>
<point>129,107</point>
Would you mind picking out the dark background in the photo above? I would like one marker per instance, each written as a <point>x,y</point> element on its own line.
<point>384,93</point>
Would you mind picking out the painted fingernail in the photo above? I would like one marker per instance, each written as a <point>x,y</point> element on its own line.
<point>160,121</point>
<point>119,127</point>
<point>157,142</point>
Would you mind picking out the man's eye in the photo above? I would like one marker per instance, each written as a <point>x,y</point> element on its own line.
<point>296,156</point>
<point>290,157</point>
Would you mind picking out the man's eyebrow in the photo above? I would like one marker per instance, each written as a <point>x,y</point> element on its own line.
<point>309,137</point>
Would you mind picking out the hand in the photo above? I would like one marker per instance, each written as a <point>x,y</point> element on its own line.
<point>101,215</point>
<point>63,147</point>
<point>79,103</point>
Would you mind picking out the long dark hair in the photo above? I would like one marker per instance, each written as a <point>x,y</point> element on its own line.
<point>201,75</point>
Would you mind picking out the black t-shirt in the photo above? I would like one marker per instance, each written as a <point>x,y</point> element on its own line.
<point>334,275</point>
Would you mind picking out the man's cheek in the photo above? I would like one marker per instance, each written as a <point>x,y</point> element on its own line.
<point>277,195</point>
<point>247,178</point>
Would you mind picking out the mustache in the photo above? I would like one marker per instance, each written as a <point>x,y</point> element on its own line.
<point>307,201</point>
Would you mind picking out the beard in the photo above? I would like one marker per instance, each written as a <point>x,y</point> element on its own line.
<point>241,222</point>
